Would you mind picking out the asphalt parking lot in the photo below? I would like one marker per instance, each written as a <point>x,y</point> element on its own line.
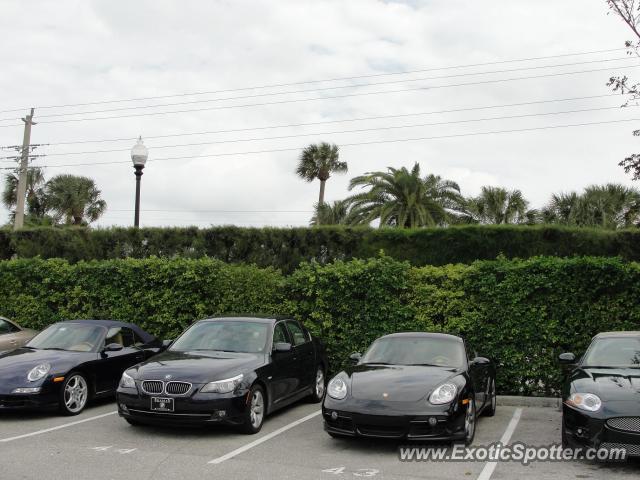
<point>99,445</point>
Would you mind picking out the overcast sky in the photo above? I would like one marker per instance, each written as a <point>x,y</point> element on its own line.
<point>82,51</point>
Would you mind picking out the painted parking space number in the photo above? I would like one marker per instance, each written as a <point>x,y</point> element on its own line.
<point>362,472</point>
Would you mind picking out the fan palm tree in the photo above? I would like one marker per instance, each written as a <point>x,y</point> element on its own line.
<point>402,198</point>
<point>320,161</point>
<point>74,199</point>
<point>496,205</point>
<point>35,202</point>
<point>606,206</point>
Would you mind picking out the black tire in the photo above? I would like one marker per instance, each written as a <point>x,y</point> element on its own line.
<point>253,422</point>
<point>563,435</point>
<point>319,389</point>
<point>469,436</point>
<point>74,394</point>
<point>490,409</point>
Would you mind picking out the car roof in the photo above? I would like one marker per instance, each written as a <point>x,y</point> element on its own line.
<point>618,334</point>
<point>259,319</point>
<point>444,336</point>
<point>146,337</point>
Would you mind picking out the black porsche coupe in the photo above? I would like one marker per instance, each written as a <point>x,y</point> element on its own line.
<point>71,362</point>
<point>601,394</point>
<point>418,386</point>
<point>232,370</point>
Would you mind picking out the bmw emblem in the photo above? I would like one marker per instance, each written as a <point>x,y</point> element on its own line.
<point>167,377</point>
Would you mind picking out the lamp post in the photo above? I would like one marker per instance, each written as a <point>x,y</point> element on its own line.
<point>139,155</point>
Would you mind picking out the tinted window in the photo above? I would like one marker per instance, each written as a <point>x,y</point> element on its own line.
<point>77,337</point>
<point>280,333</point>
<point>225,336</point>
<point>121,335</point>
<point>299,337</point>
<point>442,352</point>
<point>6,327</point>
<point>614,352</point>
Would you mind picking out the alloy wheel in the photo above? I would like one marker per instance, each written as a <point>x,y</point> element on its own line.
<point>75,393</point>
<point>320,383</point>
<point>257,409</point>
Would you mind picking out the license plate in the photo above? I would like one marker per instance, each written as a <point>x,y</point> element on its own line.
<point>161,404</point>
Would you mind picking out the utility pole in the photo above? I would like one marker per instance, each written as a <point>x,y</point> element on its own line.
<point>22,179</point>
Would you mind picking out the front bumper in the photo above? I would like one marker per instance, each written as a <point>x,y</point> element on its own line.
<point>594,431</point>
<point>394,420</point>
<point>29,401</point>
<point>195,409</point>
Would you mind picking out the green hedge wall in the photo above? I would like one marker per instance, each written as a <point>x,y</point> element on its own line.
<point>520,313</point>
<point>286,248</point>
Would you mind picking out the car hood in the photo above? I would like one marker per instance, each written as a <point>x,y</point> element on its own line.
<point>399,383</point>
<point>16,364</point>
<point>610,384</point>
<point>197,367</point>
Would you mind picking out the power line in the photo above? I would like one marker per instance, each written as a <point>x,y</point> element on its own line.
<point>389,82</point>
<point>372,142</point>
<point>432,87</point>
<point>341,132</point>
<point>406,72</point>
<point>324,122</point>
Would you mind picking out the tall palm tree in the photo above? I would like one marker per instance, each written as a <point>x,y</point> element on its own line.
<point>402,198</point>
<point>496,205</point>
<point>74,199</point>
<point>320,161</point>
<point>35,200</point>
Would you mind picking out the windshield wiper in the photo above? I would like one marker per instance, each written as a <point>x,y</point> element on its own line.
<point>427,365</point>
<point>55,348</point>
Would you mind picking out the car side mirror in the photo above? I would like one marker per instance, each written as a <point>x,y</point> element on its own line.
<point>480,361</point>
<point>281,347</point>
<point>166,344</point>
<point>567,358</point>
<point>113,347</point>
<point>355,357</point>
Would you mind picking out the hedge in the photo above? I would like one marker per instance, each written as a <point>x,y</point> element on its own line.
<point>521,313</point>
<point>286,248</point>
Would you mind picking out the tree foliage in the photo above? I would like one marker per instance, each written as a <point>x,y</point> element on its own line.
<point>75,200</point>
<point>320,161</point>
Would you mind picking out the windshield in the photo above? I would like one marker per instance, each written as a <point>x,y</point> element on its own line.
<point>75,337</point>
<point>613,352</point>
<point>246,337</point>
<point>435,351</point>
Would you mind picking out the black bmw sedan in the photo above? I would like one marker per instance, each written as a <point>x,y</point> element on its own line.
<point>226,370</point>
<point>601,394</point>
<point>421,386</point>
<point>69,363</point>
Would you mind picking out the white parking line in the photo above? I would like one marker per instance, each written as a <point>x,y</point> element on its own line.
<point>488,469</point>
<point>47,430</point>
<point>267,437</point>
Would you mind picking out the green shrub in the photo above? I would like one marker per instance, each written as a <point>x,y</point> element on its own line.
<point>521,313</point>
<point>286,248</point>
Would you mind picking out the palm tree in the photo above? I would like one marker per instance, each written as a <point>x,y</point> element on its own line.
<point>335,214</point>
<point>606,206</point>
<point>496,205</point>
<point>402,198</point>
<point>74,199</point>
<point>35,200</point>
<point>320,161</point>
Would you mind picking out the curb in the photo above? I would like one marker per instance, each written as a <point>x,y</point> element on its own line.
<point>515,401</point>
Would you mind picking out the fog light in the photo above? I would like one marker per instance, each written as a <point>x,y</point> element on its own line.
<point>27,390</point>
<point>220,413</point>
<point>124,408</point>
<point>433,421</point>
<point>579,431</point>
<point>334,416</point>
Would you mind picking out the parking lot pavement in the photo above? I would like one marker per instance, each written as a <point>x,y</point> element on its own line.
<point>100,445</point>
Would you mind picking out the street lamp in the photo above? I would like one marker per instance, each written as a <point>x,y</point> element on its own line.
<point>139,155</point>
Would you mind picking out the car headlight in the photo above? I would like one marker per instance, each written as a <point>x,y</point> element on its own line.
<point>223,386</point>
<point>585,401</point>
<point>39,372</point>
<point>337,388</point>
<point>445,393</point>
<point>127,381</point>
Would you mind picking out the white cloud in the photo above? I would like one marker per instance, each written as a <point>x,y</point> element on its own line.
<point>74,51</point>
